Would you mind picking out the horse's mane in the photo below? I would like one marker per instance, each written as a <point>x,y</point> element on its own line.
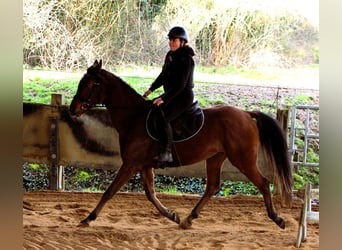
<point>132,93</point>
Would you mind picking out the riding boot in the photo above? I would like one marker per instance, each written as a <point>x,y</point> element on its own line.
<point>166,153</point>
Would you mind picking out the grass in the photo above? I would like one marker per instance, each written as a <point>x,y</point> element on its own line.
<point>169,190</point>
<point>38,85</point>
<point>248,74</point>
<point>40,90</point>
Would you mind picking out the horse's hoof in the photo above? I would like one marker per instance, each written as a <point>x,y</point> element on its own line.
<point>83,223</point>
<point>185,224</point>
<point>281,223</point>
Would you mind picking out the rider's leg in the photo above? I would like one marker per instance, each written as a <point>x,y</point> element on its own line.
<point>166,141</point>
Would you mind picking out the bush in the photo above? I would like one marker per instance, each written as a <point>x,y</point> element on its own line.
<point>96,180</point>
<point>69,35</point>
<point>35,177</point>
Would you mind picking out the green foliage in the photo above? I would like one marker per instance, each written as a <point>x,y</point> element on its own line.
<point>37,167</point>
<point>169,190</point>
<point>189,185</point>
<point>304,175</point>
<point>238,187</point>
<point>82,176</point>
<point>312,156</point>
<point>96,180</point>
<point>230,69</point>
<point>35,176</point>
<point>40,90</point>
<point>210,102</point>
<point>299,142</point>
<point>267,103</point>
<point>203,102</point>
<point>93,190</point>
<point>242,72</point>
<point>93,180</point>
<point>299,181</point>
<point>300,99</point>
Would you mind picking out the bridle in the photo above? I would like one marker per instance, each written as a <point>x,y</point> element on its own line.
<point>86,103</point>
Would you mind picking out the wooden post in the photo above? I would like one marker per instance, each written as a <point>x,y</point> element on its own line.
<point>283,118</point>
<point>53,155</point>
<point>57,99</point>
<point>56,172</point>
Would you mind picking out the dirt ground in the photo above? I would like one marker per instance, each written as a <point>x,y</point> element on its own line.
<point>130,221</point>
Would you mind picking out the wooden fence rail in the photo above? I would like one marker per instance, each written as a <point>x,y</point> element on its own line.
<point>51,136</point>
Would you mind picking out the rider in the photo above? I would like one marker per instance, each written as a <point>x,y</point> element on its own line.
<point>176,78</point>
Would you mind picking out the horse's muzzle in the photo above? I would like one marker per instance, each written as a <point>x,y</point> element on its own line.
<point>76,108</point>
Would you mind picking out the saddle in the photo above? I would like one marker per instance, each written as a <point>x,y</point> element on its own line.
<point>186,126</point>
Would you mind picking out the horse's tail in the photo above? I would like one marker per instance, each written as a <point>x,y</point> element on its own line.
<point>274,145</point>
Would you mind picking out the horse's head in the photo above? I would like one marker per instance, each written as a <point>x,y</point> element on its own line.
<point>90,90</point>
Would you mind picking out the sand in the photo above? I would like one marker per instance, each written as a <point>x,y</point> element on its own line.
<point>130,221</point>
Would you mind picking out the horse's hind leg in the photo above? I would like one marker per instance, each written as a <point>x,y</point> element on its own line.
<point>147,177</point>
<point>214,166</point>
<point>121,178</point>
<point>263,185</point>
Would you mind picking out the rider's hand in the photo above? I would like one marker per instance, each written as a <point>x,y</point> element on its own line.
<point>147,92</point>
<point>158,101</point>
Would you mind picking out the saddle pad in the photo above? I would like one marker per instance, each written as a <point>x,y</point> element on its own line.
<point>186,126</point>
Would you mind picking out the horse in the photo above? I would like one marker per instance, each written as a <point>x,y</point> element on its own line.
<point>227,133</point>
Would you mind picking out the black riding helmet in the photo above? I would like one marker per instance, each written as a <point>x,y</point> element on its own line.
<point>178,32</point>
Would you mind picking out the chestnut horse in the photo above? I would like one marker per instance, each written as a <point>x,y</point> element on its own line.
<point>227,132</point>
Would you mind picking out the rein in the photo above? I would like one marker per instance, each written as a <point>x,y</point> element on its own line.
<point>86,102</point>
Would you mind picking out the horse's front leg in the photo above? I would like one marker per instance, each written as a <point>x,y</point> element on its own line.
<point>147,176</point>
<point>214,166</point>
<point>121,178</point>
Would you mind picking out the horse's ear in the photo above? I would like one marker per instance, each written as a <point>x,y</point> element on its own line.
<point>96,66</point>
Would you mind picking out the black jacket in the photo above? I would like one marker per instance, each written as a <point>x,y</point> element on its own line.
<point>177,77</point>
<point>177,74</point>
